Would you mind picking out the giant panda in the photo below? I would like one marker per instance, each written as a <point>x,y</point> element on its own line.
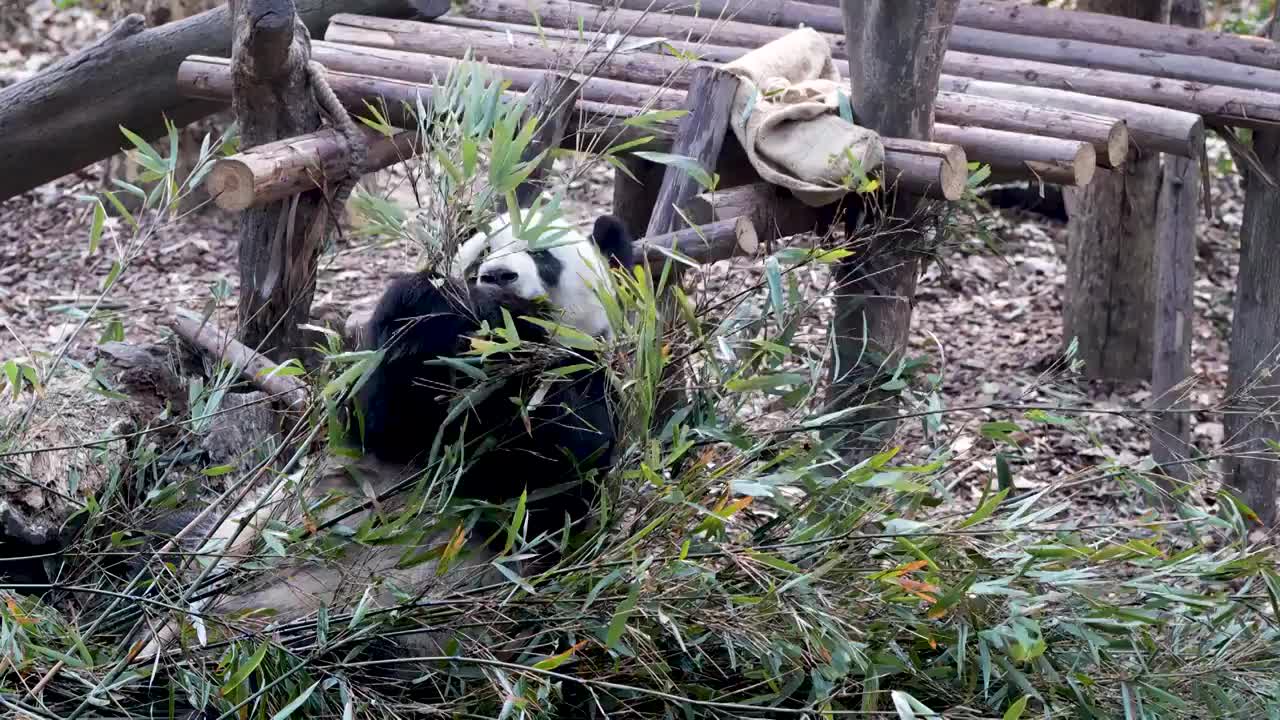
<point>419,319</point>
<point>427,316</point>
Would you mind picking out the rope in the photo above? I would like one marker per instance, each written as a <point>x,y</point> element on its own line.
<point>357,149</point>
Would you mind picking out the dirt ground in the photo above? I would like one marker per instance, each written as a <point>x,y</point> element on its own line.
<point>991,323</point>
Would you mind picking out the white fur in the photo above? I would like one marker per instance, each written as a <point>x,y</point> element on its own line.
<point>583,269</point>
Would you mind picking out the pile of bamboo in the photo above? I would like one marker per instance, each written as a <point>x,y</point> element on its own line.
<point>1053,111</point>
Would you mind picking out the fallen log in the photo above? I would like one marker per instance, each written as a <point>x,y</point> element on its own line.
<point>1061,162</point>
<point>1023,19</point>
<point>1151,128</point>
<point>1232,106</point>
<point>1098,56</point>
<point>209,78</point>
<point>418,67</point>
<point>274,171</point>
<point>254,367</point>
<point>1107,135</point>
<point>703,244</point>
<point>70,114</point>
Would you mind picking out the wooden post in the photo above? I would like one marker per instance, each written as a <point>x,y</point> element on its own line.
<point>279,242</point>
<point>701,136</point>
<point>636,195</point>
<point>552,99</point>
<point>895,50</point>
<point>1109,304</point>
<point>1175,274</point>
<point>1253,388</point>
<point>702,131</point>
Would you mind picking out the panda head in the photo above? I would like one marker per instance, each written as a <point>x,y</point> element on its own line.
<point>562,265</point>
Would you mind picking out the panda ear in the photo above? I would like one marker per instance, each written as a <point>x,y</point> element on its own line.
<point>611,236</point>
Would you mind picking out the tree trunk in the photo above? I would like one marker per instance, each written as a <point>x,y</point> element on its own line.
<point>895,50</point>
<point>70,114</point>
<point>1175,274</point>
<point>279,242</point>
<point>1109,305</point>
<point>1252,419</point>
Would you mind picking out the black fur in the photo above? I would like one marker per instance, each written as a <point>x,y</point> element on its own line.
<point>405,401</point>
<point>611,236</point>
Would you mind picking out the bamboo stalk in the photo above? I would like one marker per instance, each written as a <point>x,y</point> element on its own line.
<point>254,366</point>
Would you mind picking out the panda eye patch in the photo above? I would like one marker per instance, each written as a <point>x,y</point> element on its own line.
<point>548,265</point>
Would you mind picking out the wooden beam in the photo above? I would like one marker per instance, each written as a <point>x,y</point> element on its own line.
<point>419,67</point>
<point>774,213</point>
<point>69,115</point>
<point>709,243</point>
<point>1024,19</point>
<point>1151,128</point>
<point>1107,135</point>
<point>253,366</point>
<point>1234,106</point>
<point>598,125</point>
<point>274,171</point>
<point>1099,56</point>
<point>1060,162</point>
<point>1248,108</point>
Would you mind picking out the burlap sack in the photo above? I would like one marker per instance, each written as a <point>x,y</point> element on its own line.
<point>786,114</point>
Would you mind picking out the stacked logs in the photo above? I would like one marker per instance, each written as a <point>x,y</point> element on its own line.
<point>1029,109</point>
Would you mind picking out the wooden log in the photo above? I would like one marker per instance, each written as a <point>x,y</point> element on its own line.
<point>1151,128</point>
<point>635,192</point>
<point>709,243</point>
<point>925,168</point>
<point>1234,106</point>
<point>418,67</point>
<point>895,50</point>
<point>1023,19</point>
<point>1248,108</point>
<point>595,124</point>
<point>701,135</point>
<point>209,78</point>
<point>273,99</point>
<point>274,171</point>
<point>571,53</point>
<point>1061,162</point>
<point>551,103</point>
<point>1175,276</point>
<point>1107,135</point>
<point>254,367</point>
<point>69,115</point>
<point>1253,393</point>
<point>773,212</point>
<point>1095,55</point>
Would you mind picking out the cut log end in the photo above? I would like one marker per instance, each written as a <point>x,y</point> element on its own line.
<point>748,239</point>
<point>1117,150</point>
<point>231,184</point>
<point>1085,164</point>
